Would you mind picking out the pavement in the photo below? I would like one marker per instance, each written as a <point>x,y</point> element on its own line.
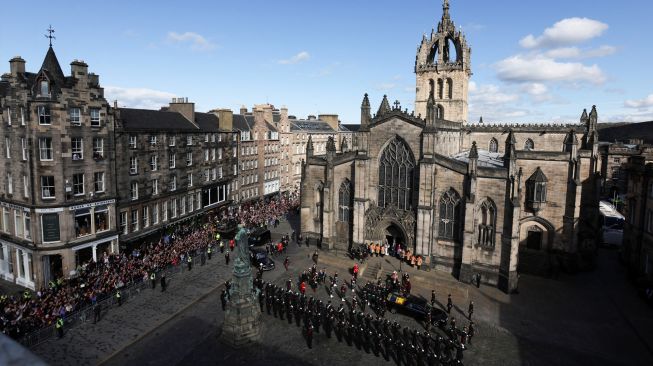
<point>592,318</point>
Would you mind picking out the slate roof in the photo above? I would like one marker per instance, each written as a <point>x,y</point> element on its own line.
<point>208,122</point>
<point>310,126</point>
<point>485,158</point>
<point>352,127</point>
<point>146,119</point>
<point>4,88</point>
<point>240,123</point>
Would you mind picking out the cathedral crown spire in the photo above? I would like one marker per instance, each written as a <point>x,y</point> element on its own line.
<point>445,9</point>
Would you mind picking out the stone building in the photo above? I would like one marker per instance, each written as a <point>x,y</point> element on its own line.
<point>638,230</point>
<point>259,167</point>
<point>57,198</point>
<point>172,164</point>
<point>614,156</point>
<point>493,200</point>
<point>295,133</point>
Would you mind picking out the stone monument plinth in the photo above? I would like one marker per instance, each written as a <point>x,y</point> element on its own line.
<point>242,319</point>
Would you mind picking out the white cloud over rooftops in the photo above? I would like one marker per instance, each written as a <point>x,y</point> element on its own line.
<point>565,32</point>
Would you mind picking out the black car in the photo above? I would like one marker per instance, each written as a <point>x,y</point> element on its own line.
<point>260,256</point>
<point>415,306</point>
<point>259,236</point>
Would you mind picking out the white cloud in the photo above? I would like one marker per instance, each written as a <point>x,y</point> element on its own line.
<point>646,102</point>
<point>300,57</point>
<point>538,68</point>
<point>565,32</point>
<point>577,53</point>
<point>638,116</point>
<point>137,97</point>
<point>489,95</point>
<point>197,42</point>
<point>538,92</point>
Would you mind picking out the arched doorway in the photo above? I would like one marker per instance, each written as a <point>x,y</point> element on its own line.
<point>394,235</point>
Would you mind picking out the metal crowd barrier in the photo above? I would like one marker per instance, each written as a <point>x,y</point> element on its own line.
<point>85,314</point>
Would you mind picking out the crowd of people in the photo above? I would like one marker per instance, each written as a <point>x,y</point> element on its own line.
<point>95,281</point>
<point>381,249</point>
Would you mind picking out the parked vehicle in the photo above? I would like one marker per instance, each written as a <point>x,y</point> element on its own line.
<point>612,224</point>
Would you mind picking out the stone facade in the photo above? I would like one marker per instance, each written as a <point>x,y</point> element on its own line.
<point>173,164</point>
<point>58,203</point>
<point>260,152</point>
<point>614,157</point>
<point>494,200</point>
<point>638,230</point>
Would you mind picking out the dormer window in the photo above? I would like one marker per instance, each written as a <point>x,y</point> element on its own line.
<point>536,190</point>
<point>44,88</point>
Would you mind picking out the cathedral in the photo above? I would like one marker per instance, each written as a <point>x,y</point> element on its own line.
<point>493,200</point>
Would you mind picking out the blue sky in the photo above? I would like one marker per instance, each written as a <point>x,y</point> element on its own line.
<point>533,61</point>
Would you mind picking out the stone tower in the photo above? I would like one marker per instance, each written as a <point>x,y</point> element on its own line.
<point>442,69</point>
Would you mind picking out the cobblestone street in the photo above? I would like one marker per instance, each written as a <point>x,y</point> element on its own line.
<point>587,319</point>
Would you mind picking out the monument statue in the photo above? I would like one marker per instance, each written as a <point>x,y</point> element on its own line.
<point>242,319</point>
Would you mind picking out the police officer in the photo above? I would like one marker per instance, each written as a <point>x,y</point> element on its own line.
<point>226,257</point>
<point>223,299</point>
<point>209,251</point>
<point>153,279</point>
<point>432,298</point>
<point>449,304</point>
<point>309,335</point>
<point>222,247</point>
<point>471,331</point>
<point>119,297</point>
<point>189,260</point>
<point>59,327</point>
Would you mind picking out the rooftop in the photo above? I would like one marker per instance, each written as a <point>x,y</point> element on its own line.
<point>485,158</point>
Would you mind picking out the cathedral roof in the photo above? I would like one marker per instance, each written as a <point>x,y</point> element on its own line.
<point>485,158</point>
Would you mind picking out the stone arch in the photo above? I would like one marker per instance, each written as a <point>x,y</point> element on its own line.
<point>439,111</point>
<point>434,53</point>
<point>529,144</point>
<point>449,88</point>
<point>440,89</point>
<point>533,224</point>
<point>486,222</point>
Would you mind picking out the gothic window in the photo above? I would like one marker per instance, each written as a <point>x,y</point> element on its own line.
<point>449,88</point>
<point>396,175</point>
<point>529,145</point>
<point>440,89</point>
<point>431,88</point>
<point>486,225</point>
<point>536,189</point>
<point>494,145</point>
<point>449,215</point>
<point>439,112</point>
<point>344,201</point>
<point>317,214</point>
<point>433,56</point>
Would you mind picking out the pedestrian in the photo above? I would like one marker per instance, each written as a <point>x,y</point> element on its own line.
<point>470,310</point>
<point>209,251</point>
<point>190,262</point>
<point>286,262</point>
<point>96,312</point>
<point>119,297</point>
<point>309,335</point>
<point>59,327</point>
<point>449,304</point>
<point>302,288</point>
<point>223,299</point>
<point>471,331</point>
<point>221,247</point>
<point>478,280</point>
<point>232,244</point>
<point>226,257</point>
<point>153,279</point>
<point>163,281</point>
<point>289,285</point>
<point>463,336</point>
<point>432,298</point>
<point>315,256</point>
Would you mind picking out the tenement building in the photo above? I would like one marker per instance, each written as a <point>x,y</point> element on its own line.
<point>259,175</point>
<point>614,157</point>
<point>638,230</point>
<point>471,199</point>
<point>172,164</point>
<point>57,198</point>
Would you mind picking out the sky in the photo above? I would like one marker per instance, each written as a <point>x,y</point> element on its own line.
<point>532,61</point>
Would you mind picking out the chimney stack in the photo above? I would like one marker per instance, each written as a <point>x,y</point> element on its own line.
<point>243,110</point>
<point>331,119</point>
<point>17,66</point>
<point>78,68</point>
<point>225,119</point>
<point>185,108</point>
